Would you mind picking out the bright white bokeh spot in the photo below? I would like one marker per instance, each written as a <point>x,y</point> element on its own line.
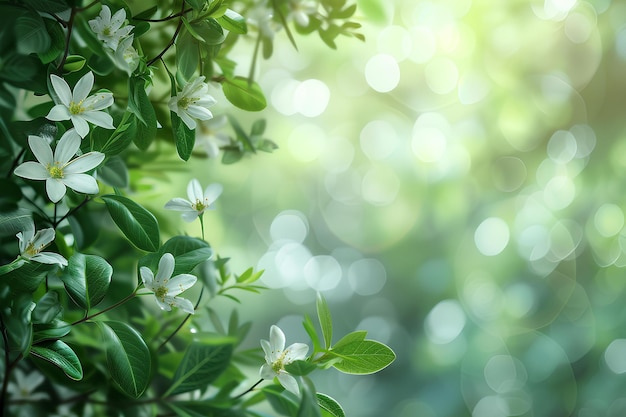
<point>306,142</point>
<point>491,406</point>
<point>289,225</point>
<point>609,220</point>
<point>533,242</point>
<point>615,356</point>
<point>473,87</point>
<point>311,97</point>
<point>559,192</point>
<point>504,373</point>
<point>424,44</point>
<point>442,75</point>
<point>322,273</point>
<point>382,73</point>
<point>380,185</point>
<point>429,144</point>
<point>492,236</point>
<point>585,140</point>
<point>367,276</point>
<point>578,27</point>
<point>283,266</point>
<point>395,41</point>
<point>282,96</point>
<point>445,322</point>
<point>378,139</point>
<point>562,146</point>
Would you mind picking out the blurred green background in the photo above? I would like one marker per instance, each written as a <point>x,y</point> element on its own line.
<point>455,186</point>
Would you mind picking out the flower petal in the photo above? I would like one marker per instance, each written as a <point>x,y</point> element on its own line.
<point>43,237</point>
<point>190,216</point>
<point>199,112</point>
<point>180,283</point>
<point>82,183</point>
<point>166,268</point>
<point>296,352</point>
<point>181,303</point>
<point>118,19</point>
<point>277,338</point>
<point>147,277</point>
<point>164,305</point>
<point>191,124</point>
<point>194,191</point>
<point>67,147</point>
<point>99,118</point>
<point>62,89</point>
<point>83,87</point>
<point>84,163</point>
<point>267,372</point>
<point>212,192</point>
<point>267,348</point>
<point>55,189</point>
<point>288,382</point>
<point>58,113</point>
<point>32,171</point>
<point>179,204</point>
<point>82,128</point>
<point>41,150</point>
<point>49,258</point>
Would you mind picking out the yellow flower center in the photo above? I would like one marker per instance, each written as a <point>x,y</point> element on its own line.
<point>198,206</point>
<point>160,293</point>
<point>278,364</point>
<point>76,108</point>
<point>185,102</point>
<point>106,31</point>
<point>55,171</point>
<point>31,250</point>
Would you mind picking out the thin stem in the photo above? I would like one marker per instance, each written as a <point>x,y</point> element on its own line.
<point>171,42</point>
<point>15,162</point>
<point>164,19</point>
<point>255,54</point>
<point>111,307</point>
<point>202,224</point>
<point>249,389</point>
<point>70,212</point>
<point>70,26</point>
<point>180,326</point>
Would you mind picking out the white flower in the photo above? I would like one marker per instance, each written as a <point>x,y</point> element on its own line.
<point>109,29</point>
<point>301,10</point>
<point>209,137</point>
<point>193,102</point>
<point>32,244</point>
<point>261,17</point>
<point>57,170</point>
<point>165,287</point>
<point>277,357</point>
<point>198,201</point>
<point>126,57</point>
<point>79,108</point>
<point>24,386</point>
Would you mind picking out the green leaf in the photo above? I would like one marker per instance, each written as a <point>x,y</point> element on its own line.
<point>202,364</point>
<point>47,309</point>
<point>52,331</point>
<point>187,55</point>
<point>57,41</point>
<point>31,34</point>
<point>210,31</point>
<point>141,106</point>
<point>205,408</point>
<point>185,137</point>
<point>233,22</point>
<point>28,277</point>
<point>114,143</point>
<point>300,368</point>
<point>187,251</point>
<point>17,321</point>
<point>14,221</point>
<point>17,263</point>
<point>330,405</point>
<point>309,327</point>
<point>47,6</point>
<point>74,63</point>
<point>282,404</point>
<point>114,172</point>
<point>61,355</point>
<point>87,279</point>
<point>362,357</point>
<point>138,224</point>
<point>128,357</point>
<point>308,403</point>
<point>326,322</point>
<point>243,94</point>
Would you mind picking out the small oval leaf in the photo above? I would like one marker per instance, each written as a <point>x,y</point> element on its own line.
<point>138,224</point>
<point>60,355</point>
<point>243,94</point>
<point>87,279</point>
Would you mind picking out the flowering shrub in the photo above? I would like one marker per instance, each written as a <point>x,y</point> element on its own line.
<point>82,84</point>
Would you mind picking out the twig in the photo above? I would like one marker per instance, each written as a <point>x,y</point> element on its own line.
<point>171,42</point>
